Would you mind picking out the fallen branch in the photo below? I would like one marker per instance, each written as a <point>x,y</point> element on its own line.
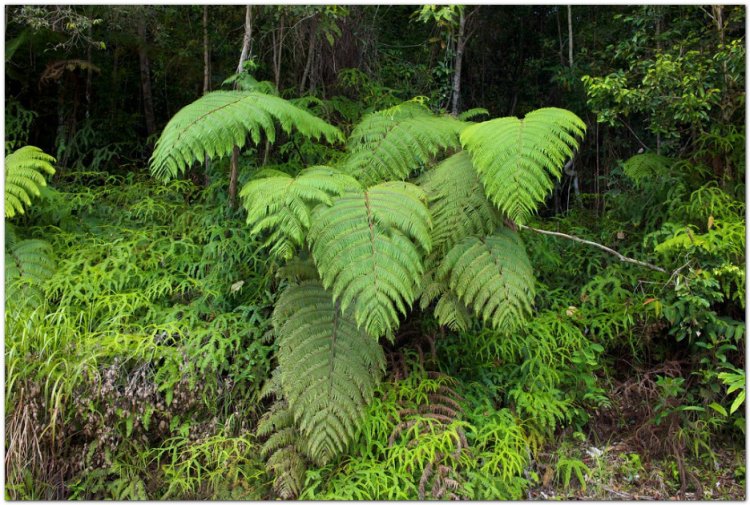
<point>588,242</point>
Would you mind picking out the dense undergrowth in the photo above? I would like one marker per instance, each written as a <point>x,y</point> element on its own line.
<point>392,303</point>
<point>136,372</point>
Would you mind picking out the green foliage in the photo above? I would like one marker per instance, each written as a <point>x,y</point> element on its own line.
<point>18,119</point>
<point>24,176</point>
<point>216,122</point>
<point>517,160</point>
<point>393,143</point>
<point>368,248</point>
<point>283,204</point>
<point>565,467</point>
<point>219,467</point>
<point>643,168</point>
<point>735,381</point>
<point>493,276</point>
<point>28,265</point>
<point>458,205</point>
<point>342,368</point>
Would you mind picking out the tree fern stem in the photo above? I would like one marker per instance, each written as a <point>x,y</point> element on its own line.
<point>589,242</point>
<point>460,44</point>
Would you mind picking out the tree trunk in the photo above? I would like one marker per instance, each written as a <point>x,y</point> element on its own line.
<point>573,170</point>
<point>88,76</point>
<point>148,97</point>
<point>310,53</point>
<point>278,45</point>
<point>460,44</point>
<point>570,36</point>
<point>234,162</point>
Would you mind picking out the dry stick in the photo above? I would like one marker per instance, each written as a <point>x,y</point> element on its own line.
<point>588,242</point>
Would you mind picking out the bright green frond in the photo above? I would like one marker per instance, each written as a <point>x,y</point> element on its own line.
<point>283,204</point>
<point>24,175</point>
<point>217,121</point>
<point>517,160</point>
<point>492,276</point>
<point>329,368</point>
<point>368,247</point>
<point>458,205</point>
<point>391,144</point>
<point>472,113</point>
<point>647,166</point>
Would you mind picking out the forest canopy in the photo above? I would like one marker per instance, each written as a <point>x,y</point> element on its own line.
<point>375,252</point>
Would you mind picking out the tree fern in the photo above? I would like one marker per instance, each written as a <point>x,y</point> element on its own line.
<point>28,265</point>
<point>492,276</point>
<point>391,144</point>
<point>517,159</point>
<point>328,368</point>
<point>283,204</point>
<point>282,449</point>
<point>458,205</point>
<point>646,166</point>
<point>24,175</point>
<point>368,248</point>
<point>216,122</point>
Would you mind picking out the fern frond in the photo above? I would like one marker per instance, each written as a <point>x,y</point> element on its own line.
<point>458,205</point>
<point>451,312</point>
<point>493,276</point>
<point>212,125</point>
<point>24,175</point>
<point>642,167</point>
<point>472,113</point>
<point>329,368</point>
<point>28,265</point>
<point>517,159</point>
<point>283,204</point>
<point>298,269</point>
<point>390,144</point>
<point>288,467</point>
<point>368,248</point>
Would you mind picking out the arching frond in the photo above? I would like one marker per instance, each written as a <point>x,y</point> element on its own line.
<point>24,175</point>
<point>492,276</point>
<point>283,204</point>
<point>28,265</point>
<point>391,144</point>
<point>329,369</point>
<point>458,205</point>
<point>518,159</point>
<point>368,248</point>
<point>472,113</point>
<point>217,121</point>
<point>646,166</point>
<point>285,459</point>
<point>451,312</point>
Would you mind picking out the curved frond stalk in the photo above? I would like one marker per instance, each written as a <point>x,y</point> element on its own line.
<point>212,125</point>
<point>283,204</point>
<point>517,160</point>
<point>493,277</point>
<point>647,166</point>
<point>391,144</point>
<point>329,369</point>
<point>24,175</point>
<point>368,247</point>
<point>458,205</point>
